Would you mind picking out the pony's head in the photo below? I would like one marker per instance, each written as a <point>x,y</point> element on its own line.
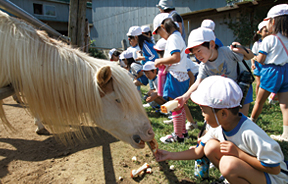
<point>67,88</point>
<point>122,104</point>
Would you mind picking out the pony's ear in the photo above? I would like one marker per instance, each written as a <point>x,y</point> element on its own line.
<point>104,75</point>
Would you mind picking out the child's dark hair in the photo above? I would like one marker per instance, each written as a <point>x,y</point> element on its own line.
<point>281,25</point>
<point>234,110</point>
<point>206,44</point>
<point>160,53</point>
<point>130,61</point>
<point>141,39</point>
<point>170,26</point>
<point>148,33</point>
<point>168,10</point>
<point>256,36</point>
<point>116,53</point>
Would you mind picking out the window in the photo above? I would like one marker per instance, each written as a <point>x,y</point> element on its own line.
<point>49,11</point>
<point>38,9</point>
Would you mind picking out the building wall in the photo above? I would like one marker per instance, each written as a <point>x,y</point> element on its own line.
<point>112,19</point>
<point>60,21</point>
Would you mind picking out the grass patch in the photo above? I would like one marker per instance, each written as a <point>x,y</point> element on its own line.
<point>270,121</point>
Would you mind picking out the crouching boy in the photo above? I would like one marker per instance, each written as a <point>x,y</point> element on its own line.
<point>151,73</point>
<point>240,149</point>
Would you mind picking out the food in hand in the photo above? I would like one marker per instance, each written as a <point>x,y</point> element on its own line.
<point>154,145</point>
<point>169,106</point>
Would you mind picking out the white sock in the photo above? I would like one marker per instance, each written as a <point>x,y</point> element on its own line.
<point>285,132</point>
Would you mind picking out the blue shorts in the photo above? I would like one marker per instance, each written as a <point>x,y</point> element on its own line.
<point>249,96</point>
<point>143,79</point>
<point>173,88</point>
<point>257,70</point>
<point>274,78</point>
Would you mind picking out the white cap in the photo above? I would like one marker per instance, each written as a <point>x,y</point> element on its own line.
<point>134,31</point>
<point>159,19</point>
<point>160,45</point>
<point>261,25</point>
<point>126,54</point>
<point>145,29</point>
<point>278,10</point>
<point>207,23</point>
<point>199,36</point>
<point>165,4</point>
<point>149,65</point>
<point>111,52</point>
<point>218,92</point>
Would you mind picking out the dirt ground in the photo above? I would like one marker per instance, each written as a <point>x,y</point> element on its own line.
<point>26,157</point>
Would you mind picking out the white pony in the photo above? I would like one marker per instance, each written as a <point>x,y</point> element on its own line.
<point>66,88</point>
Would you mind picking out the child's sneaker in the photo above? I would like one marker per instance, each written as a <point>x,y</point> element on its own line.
<point>146,105</point>
<point>191,126</point>
<point>171,138</point>
<point>186,135</point>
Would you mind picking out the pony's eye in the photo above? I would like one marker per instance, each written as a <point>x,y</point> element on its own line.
<point>117,100</point>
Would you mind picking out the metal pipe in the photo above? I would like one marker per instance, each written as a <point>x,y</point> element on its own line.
<point>19,12</point>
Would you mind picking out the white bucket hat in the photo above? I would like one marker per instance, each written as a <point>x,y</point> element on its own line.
<point>111,52</point>
<point>134,31</point>
<point>160,45</point>
<point>159,19</point>
<point>126,54</point>
<point>278,10</point>
<point>145,29</point>
<point>217,92</point>
<point>261,25</point>
<point>165,4</point>
<point>207,23</point>
<point>149,65</point>
<point>199,36</point>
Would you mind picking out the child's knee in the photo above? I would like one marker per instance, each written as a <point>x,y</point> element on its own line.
<point>211,148</point>
<point>228,165</point>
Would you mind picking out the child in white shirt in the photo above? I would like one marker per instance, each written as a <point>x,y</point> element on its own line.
<point>273,54</point>
<point>240,149</point>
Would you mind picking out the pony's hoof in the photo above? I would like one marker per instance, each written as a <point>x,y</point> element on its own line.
<point>42,131</point>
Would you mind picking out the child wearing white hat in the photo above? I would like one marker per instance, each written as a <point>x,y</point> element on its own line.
<point>114,54</point>
<point>167,6</point>
<point>146,31</point>
<point>151,73</point>
<point>239,148</point>
<point>177,79</point>
<point>215,61</point>
<point>135,37</point>
<point>208,23</point>
<point>255,66</point>
<point>135,68</point>
<point>273,53</point>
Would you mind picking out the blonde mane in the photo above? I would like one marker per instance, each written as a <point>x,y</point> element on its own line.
<point>57,82</point>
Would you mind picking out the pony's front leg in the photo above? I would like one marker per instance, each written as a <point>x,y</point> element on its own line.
<point>41,130</point>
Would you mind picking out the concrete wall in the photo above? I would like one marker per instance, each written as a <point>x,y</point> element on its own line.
<point>112,19</point>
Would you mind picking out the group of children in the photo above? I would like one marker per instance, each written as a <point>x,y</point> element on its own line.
<point>240,149</point>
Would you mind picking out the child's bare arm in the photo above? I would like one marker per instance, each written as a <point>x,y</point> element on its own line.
<point>152,96</point>
<point>228,148</point>
<point>174,58</point>
<point>261,58</point>
<point>192,78</point>
<point>190,154</point>
<point>182,99</point>
<point>247,56</point>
